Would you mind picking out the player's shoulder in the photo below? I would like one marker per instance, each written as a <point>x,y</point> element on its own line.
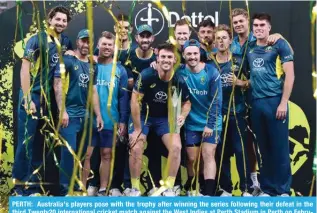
<point>281,43</point>
<point>35,38</point>
<point>211,71</point>
<point>252,44</point>
<point>64,38</point>
<point>148,72</point>
<point>69,59</point>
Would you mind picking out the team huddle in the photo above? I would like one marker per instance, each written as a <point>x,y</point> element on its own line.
<point>215,97</point>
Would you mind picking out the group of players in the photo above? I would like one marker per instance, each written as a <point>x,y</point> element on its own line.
<point>222,88</point>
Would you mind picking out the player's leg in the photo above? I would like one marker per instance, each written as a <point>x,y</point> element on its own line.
<point>118,170</point>
<point>27,127</point>
<point>240,150</point>
<point>69,137</point>
<point>260,126</point>
<point>209,147</point>
<point>86,169</point>
<point>251,147</point>
<point>135,158</point>
<point>106,141</point>
<point>173,144</point>
<point>193,143</point>
<point>279,152</point>
<point>224,154</point>
<point>92,157</point>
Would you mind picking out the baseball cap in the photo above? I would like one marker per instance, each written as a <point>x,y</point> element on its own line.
<point>191,42</point>
<point>143,28</point>
<point>84,33</point>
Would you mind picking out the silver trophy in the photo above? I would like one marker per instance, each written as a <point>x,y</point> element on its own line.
<point>176,104</point>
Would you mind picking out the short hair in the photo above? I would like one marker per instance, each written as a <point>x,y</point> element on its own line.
<point>182,22</point>
<point>224,27</point>
<point>108,35</point>
<point>59,9</point>
<point>239,11</point>
<point>122,17</point>
<point>262,16</point>
<point>165,46</point>
<point>206,23</point>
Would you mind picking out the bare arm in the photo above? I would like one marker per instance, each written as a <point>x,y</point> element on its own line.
<point>96,102</point>
<point>289,81</point>
<point>281,111</point>
<point>96,106</point>
<point>135,110</point>
<point>25,79</point>
<point>186,108</point>
<point>58,93</point>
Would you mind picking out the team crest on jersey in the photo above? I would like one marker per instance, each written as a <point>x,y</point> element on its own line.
<point>234,68</point>
<point>268,49</point>
<point>64,48</point>
<point>76,67</point>
<point>203,80</point>
<point>251,51</point>
<point>153,85</point>
<point>234,60</point>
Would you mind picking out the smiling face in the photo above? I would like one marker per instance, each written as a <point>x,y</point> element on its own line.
<point>261,29</point>
<point>59,22</point>
<point>83,46</point>
<point>106,47</point>
<point>182,34</point>
<point>166,60</point>
<point>144,40</point>
<point>240,24</point>
<point>192,56</point>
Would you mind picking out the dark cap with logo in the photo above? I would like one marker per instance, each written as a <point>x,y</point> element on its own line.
<point>191,42</point>
<point>145,28</point>
<point>84,33</point>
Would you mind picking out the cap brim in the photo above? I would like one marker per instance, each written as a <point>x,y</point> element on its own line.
<point>83,37</point>
<point>145,31</point>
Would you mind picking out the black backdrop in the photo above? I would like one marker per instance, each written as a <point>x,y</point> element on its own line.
<point>291,19</point>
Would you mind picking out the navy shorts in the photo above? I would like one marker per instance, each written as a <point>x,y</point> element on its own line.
<point>159,125</point>
<point>102,139</point>
<point>194,138</point>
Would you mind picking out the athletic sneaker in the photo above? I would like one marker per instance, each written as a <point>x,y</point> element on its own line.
<point>262,194</point>
<point>102,193</point>
<point>17,192</point>
<point>177,190</point>
<point>115,192</point>
<point>169,193</point>
<point>126,191</point>
<point>225,194</point>
<point>193,193</point>
<point>257,191</point>
<point>246,194</point>
<point>35,195</point>
<point>92,191</point>
<point>134,193</point>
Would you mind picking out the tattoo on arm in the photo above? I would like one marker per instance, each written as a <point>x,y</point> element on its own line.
<point>58,92</point>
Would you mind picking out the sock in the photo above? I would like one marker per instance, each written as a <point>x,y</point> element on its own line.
<point>254,178</point>
<point>102,189</point>
<point>170,181</point>
<point>189,182</point>
<point>210,187</point>
<point>135,183</point>
<point>202,183</point>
